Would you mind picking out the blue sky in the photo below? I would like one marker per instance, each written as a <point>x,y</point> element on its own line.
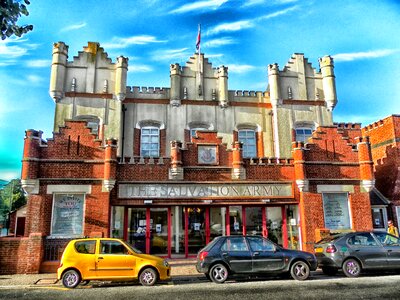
<point>362,35</point>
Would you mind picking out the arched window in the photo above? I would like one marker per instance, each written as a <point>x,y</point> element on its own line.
<point>150,141</point>
<point>92,122</point>
<point>195,126</point>
<point>303,133</point>
<point>248,138</point>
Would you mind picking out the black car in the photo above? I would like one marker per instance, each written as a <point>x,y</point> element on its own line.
<point>357,251</point>
<point>245,255</point>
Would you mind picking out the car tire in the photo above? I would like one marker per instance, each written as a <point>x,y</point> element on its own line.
<point>148,277</point>
<point>85,282</point>
<point>351,268</point>
<point>300,270</point>
<point>330,271</point>
<point>218,273</point>
<point>71,279</point>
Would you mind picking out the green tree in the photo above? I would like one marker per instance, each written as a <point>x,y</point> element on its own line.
<point>12,197</point>
<point>10,12</point>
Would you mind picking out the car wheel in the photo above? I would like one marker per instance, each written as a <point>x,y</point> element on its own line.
<point>148,277</point>
<point>300,270</point>
<point>218,273</point>
<point>329,271</point>
<point>85,282</point>
<point>351,268</point>
<point>71,279</point>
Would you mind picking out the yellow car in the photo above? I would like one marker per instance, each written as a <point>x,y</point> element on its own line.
<point>109,259</point>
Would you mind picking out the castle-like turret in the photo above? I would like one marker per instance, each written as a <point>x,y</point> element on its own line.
<point>121,70</point>
<point>328,81</point>
<point>58,70</point>
<point>175,76</point>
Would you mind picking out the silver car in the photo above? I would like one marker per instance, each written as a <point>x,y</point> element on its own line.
<point>357,251</point>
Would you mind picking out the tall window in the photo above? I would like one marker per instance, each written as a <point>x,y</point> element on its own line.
<point>248,138</point>
<point>302,134</point>
<point>150,142</point>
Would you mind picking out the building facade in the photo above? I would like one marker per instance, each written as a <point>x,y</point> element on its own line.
<point>169,169</point>
<point>384,136</point>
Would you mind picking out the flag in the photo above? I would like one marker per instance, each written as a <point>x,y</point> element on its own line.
<point>198,40</point>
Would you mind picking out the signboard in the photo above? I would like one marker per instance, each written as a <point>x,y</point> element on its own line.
<point>67,215</point>
<point>336,211</point>
<point>212,190</point>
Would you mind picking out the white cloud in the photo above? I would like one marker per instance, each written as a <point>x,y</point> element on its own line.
<point>171,54</point>
<point>118,42</point>
<point>139,68</point>
<point>199,5</point>
<point>74,27</point>
<point>10,48</point>
<point>34,79</point>
<point>234,26</point>
<point>39,63</point>
<point>219,42</point>
<point>9,175</point>
<point>217,55</point>
<point>278,13</point>
<point>12,51</point>
<point>364,55</point>
<point>233,68</point>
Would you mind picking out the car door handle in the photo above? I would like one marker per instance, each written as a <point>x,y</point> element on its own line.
<point>99,258</point>
<point>390,250</point>
<point>256,253</point>
<point>224,254</point>
<point>357,250</point>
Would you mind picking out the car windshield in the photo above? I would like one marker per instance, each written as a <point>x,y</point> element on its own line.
<point>133,248</point>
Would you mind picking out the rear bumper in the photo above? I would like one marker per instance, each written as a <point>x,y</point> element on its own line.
<point>328,262</point>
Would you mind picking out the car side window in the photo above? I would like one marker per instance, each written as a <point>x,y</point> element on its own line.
<point>387,239</point>
<point>362,239</point>
<point>112,247</point>
<point>86,247</point>
<point>235,244</point>
<point>260,244</point>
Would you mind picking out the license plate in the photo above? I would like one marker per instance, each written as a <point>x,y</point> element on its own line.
<point>319,250</point>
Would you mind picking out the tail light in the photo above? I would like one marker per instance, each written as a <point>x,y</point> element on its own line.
<point>203,255</point>
<point>330,249</point>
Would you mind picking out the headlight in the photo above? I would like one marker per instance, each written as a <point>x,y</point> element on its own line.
<point>165,263</point>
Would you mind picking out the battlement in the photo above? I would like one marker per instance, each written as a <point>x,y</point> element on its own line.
<point>348,125</point>
<point>137,92</point>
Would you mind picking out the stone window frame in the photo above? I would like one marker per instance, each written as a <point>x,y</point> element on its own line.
<point>91,120</point>
<point>304,126</point>
<point>249,127</point>
<point>198,126</point>
<point>152,124</point>
<point>347,206</point>
<point>68,235</point>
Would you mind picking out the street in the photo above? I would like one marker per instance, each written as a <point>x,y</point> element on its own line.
<point>369,286</point>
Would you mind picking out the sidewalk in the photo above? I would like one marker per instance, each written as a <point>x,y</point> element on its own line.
<point>182,270</point>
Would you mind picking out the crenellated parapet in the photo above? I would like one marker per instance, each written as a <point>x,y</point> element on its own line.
<point>136,92</point>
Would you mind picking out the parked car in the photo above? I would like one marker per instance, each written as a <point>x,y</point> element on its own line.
<point>109,259</point>
<point>245,255</point>
<point>357,251</point>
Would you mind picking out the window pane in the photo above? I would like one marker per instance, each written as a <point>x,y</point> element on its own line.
<point>248,138</point>
<point>87,247</point>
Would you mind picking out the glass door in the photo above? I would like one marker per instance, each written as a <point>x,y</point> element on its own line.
<point>254,219</point>
<point>195,235</point>
<point>137,228</point>
<point>159,231</point>
<point>274,224</point>
<point>217,222</point>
